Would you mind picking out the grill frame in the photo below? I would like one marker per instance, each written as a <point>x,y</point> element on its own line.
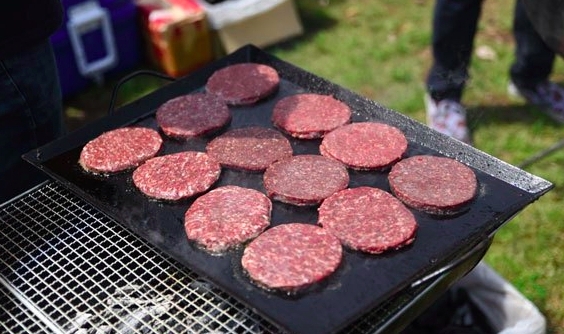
<point>16,317</point>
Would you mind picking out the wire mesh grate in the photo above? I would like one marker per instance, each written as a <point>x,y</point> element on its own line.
<point>86,273</point>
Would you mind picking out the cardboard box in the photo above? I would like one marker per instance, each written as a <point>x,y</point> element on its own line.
<point>177,35</point>
<point>259,22</point>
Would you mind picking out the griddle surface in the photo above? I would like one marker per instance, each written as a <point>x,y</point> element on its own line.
<point>362,282</point>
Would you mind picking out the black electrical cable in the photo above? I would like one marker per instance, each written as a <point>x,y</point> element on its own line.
<point>542,154</point>
<point>131,76</point>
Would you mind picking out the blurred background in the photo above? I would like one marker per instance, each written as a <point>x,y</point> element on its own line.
<point>378,49</point>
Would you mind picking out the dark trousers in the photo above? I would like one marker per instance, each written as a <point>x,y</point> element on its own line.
<point>30,115</point>
<point>454,28</point>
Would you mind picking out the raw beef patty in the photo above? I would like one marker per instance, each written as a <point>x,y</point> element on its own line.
<point>368,220</point>
<point>365,145</point>
<point>309,116</point>
<point>437,185</point>
<point>243,84</point>
<point>177,176</point>
<point>226,217</point>
<point>292,256</point>
<point>250,149</point>
<point>120,149</point>
<point>305,179</point>
<point>192,115</point>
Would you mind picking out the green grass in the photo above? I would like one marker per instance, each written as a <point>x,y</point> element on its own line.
<point>380,49</point>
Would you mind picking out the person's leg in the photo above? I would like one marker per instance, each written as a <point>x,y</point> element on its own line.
<point>30,115</point>
<point>532,67</point>
<point>533,58</point>
<point>454,28</point>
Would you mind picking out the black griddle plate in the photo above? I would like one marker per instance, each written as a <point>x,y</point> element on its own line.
<point>362,282</point>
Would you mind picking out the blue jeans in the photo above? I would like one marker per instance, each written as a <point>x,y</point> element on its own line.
<point>31,115</point>
<point>454,29</point>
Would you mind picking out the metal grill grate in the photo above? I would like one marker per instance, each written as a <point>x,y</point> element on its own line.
<point>81,272</point>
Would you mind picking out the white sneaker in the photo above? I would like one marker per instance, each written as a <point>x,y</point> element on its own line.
<point>548,96</point>
<point>448,117</point>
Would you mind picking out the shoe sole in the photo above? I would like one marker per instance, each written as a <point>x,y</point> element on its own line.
<point>514,93</point>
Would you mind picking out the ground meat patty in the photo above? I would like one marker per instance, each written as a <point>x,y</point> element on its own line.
<point>309,116</point>
<point>305,179</point>
<point>437,185</point>
<point>243,84</point>
<point>292,256</point>
<point>192,115</point>
<point>177,176</point>
<point>368,220</point>
<point>120,149</point>
<point>252,148</point>
<point>365,145</point>
<point>227,217</point>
